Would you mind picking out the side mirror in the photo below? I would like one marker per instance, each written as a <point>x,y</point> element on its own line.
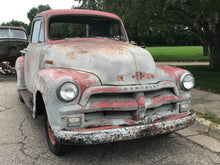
<point>23,52</point>
<point>133,43</point>
<point>143,45</point>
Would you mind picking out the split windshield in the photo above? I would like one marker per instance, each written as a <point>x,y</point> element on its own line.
<point>64,27</point>
<point>13,33</point>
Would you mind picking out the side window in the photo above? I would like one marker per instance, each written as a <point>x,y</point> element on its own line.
<point>41,37</point>
<point>37,33</point>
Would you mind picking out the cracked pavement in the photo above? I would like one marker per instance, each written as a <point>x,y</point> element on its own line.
<point>23,141</point>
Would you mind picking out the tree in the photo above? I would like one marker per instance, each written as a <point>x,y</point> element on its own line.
<point>200,17</point>
<point>15,23</point>
<point>89,4</point>
<point>34,11</point>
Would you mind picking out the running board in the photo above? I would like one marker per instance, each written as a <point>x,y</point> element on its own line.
<point>28,98</point>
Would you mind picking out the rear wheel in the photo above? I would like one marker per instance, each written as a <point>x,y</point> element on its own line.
<point>54,147</point>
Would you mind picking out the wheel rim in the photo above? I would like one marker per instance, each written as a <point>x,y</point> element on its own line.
<point>50,133</point>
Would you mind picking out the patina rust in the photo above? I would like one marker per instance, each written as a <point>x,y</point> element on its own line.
<point>113,134</point>
<point>120,93</point>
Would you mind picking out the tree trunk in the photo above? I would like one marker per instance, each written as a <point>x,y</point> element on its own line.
<point>205,49</point>
<point>205,46</point>
<point>215,49</point>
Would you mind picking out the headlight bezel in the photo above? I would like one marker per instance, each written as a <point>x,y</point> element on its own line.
<point>61,84</point>
<point>182,81</point>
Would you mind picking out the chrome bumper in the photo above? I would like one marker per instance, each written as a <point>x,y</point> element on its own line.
<point>94,136</point>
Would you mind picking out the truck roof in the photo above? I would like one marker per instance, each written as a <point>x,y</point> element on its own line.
<point>12,27</point>
<point>50,13</point>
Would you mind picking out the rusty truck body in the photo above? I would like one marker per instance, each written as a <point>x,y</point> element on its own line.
<point>12,40</point>
<point>80,71</point>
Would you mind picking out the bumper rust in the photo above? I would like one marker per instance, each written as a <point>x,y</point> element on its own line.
<point>113,134</point>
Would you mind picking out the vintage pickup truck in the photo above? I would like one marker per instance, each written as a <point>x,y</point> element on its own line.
<point>80,71</point>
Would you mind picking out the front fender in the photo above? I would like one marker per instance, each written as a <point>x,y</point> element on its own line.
<point>171,73</point>
<point>47,82</point>
<point>19,66</point>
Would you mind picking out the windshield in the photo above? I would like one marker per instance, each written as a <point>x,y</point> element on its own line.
<point>62,27</point>
<point>13,33</point>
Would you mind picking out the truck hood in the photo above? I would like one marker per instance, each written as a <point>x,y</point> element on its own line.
<point>113,62</point>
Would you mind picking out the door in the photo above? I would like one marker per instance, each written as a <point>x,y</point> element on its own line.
<point>32,57</point>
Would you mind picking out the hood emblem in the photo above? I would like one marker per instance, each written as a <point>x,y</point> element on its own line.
<point>142,75</point>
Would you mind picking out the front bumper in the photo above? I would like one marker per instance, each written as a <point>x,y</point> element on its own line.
<point>112,134</point>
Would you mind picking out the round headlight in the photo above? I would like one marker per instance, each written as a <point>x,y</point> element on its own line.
<point>67,91</point>
<point>187,81</point>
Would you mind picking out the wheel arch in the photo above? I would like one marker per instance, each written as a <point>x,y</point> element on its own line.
<point>39,103</point>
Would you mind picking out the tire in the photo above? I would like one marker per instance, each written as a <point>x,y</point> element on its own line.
<point>20,97</point>
<point>166,134</point>
<point>54,147</point>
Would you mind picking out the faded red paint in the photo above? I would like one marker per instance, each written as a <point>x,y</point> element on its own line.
<point>137,117</point>
<point>158,99</point>
<point>141,101</point>
<point>156,118</point>
<point>139,114</point>
<point>172,117</point>
<point>20,61</point>
<point>83,79</point>
<point>114,104</point>
<point>101,90</point>
<point>50,13</point>
<point>180,96</point>
<point>171,71</point>
<point>105,90</point>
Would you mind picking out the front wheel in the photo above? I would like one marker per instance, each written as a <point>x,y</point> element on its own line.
<point>20,97</point>
<point>54,147</point>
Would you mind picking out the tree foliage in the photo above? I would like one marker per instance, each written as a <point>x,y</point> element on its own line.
<point>34,11</point>
<point>200,17</point>
<point>89,4</point>
<point>15,23</point>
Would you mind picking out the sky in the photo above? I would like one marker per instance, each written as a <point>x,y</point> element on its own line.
<point>18,9</point>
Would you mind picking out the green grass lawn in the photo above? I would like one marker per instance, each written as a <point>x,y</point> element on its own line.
<point>205,78</point>
<point>178,53</point>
